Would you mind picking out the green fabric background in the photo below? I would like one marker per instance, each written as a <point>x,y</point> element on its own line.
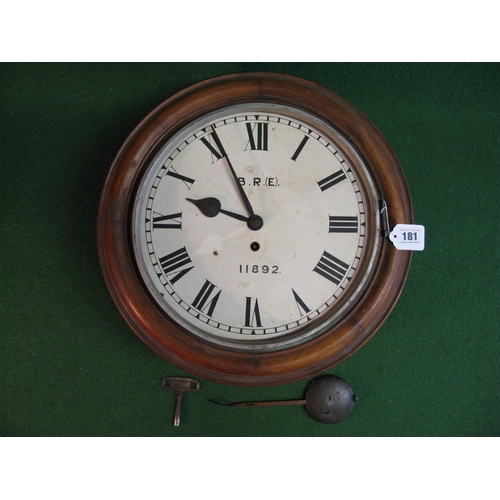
<point>70,366</point>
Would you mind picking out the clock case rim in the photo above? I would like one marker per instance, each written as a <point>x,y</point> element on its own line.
<point>149,321</point>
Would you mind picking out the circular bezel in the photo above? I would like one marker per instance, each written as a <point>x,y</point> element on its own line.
<point>351,287</point>
<point>228,363</point>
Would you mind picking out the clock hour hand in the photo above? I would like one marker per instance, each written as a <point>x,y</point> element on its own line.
<point>210,207</point>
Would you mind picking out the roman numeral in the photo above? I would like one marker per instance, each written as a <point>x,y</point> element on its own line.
<point>331,268</point>
<point>303,309</point>
<point>331,180</point>
<point>217,149</point>
<point>343,224</point>
<point>186,180</point>
<point>252,314</point>
<point>173,263</point>
<point>300,148</point>
<point>257,142</point>
<point>159,221</point>
<point>202,302</point>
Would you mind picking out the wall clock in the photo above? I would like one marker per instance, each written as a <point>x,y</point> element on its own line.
<point>243,229</point>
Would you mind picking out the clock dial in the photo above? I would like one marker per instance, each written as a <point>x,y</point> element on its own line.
<point>251,224</point>
<point>242,229</point>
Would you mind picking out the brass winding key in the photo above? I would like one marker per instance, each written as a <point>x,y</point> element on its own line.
<point>179,385</point>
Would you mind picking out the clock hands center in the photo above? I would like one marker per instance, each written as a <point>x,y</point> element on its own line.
<point>211,207</point>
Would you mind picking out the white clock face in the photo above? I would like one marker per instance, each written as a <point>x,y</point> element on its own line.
<point>270,267</point>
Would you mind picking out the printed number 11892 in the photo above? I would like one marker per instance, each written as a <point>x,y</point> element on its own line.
<point>246,269</point>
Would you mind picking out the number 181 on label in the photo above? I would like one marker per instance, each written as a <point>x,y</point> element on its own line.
<point>408,237</point>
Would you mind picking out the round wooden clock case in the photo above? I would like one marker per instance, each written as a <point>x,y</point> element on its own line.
<point>214,286</point>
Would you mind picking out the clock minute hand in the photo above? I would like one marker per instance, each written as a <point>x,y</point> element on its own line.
<point>211,207</point>
<point>254,222</point>
<point>243,195</point>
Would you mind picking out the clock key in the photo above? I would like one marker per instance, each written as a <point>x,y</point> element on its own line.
<point>179,385</point>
